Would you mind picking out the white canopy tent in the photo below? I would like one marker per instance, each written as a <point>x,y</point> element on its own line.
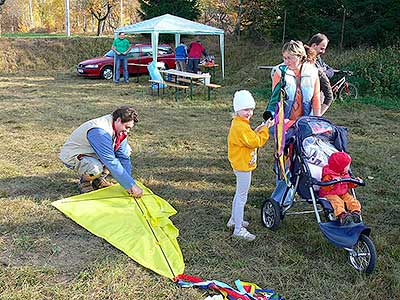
<point>173,25</point>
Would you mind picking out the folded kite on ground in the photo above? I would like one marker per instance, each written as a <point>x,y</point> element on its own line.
<point>140,228</point>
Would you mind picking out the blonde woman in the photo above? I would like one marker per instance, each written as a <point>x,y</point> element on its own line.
<point>301,84</point>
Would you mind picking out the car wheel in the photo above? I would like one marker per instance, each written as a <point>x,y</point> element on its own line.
<point>107,73</point>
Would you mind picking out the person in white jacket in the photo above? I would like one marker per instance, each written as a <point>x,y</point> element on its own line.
<point>100,146</point>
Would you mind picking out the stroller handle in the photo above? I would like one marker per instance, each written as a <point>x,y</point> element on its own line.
<point>352,180</point>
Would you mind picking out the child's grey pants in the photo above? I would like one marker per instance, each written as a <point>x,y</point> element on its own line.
<point>243,181</point>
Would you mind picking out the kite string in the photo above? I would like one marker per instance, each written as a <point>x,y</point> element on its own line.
<point>155,236</point>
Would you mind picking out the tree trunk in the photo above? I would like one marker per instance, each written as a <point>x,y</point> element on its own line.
<point>31,13</point>
<point>237,26</point>
<point>84,23</point>
<point>101,19</point>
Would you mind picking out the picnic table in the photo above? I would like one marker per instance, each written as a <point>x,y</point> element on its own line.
<point>209,67</point>
<point>137,69</point>
<point>180,79</point>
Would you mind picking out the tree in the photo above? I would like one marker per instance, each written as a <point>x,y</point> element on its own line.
<point>372,22</point>
<point>187,9</point>
<point>259,17</point>
<point>219,13</point>
<point>100,10</point>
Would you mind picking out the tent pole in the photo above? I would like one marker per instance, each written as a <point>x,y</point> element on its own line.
<point>154,44</point>
<point>115,58</point>
<point>177,39</point>
<point>221,45</point>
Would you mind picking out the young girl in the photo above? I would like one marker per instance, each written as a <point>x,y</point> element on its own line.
<point>243,143</point>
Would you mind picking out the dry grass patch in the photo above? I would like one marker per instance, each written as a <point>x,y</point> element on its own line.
<point>179,151</point>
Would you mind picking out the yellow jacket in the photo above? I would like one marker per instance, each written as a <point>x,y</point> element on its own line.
<point>243,143</point>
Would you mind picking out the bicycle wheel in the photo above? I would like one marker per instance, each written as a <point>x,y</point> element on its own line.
<point>348,91</point>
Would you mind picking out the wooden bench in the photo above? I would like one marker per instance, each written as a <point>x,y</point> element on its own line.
<point>170,84</point>
<point>211,86</point>
<point>177,87</point>
<point>186,80</point>
<point>158,84</point>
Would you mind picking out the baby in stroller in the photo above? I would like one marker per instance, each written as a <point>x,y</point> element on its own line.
<point>316,163</point>
<point>327,164</point>
<point>337,194</point>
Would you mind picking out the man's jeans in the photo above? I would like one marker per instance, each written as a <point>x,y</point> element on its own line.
<point>124,60</point>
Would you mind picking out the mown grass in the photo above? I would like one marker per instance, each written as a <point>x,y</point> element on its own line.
<point>179,151</point>
<point>375,70</point>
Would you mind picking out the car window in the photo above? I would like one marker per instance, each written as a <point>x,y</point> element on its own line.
<point>109,53</point>
<point>147,51</point>
<point>164,50</point>
<point>134,53</point>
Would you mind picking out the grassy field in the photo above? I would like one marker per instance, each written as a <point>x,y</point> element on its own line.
<point>179,151</point>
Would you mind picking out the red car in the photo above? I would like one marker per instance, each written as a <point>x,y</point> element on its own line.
<point>140,54</point>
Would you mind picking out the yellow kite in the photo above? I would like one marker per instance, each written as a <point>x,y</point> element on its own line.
<point>140,228</point>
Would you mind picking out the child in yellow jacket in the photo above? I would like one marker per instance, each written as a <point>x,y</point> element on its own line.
<point>243,143</point>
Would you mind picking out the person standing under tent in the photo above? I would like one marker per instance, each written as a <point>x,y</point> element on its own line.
<point>195,51</point>
<point>181,57</point>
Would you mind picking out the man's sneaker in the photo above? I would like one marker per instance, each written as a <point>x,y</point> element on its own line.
<point>356,217</point>
<point>244,234</point>
<point>100,183</point>
<point>345,218</point>
<point>85,186</point>
<point>231,224</point>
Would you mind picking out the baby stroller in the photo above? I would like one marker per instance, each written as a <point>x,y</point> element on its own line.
<point>309,142</point>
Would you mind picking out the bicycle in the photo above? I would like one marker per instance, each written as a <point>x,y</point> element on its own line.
<point>343,89</point>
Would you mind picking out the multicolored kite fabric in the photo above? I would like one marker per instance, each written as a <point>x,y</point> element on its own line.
<point>141,228</point>
<point>243,291</point>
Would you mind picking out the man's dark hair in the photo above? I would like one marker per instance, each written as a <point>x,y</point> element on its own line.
<point>318,38</point>
<point>126,113</point>
<point>119,33</point>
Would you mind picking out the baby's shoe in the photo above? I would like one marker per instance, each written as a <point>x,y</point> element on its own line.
<point>356,216</point>
<point>231,224</point>
<point>345,218</point>
<point>244,234</point>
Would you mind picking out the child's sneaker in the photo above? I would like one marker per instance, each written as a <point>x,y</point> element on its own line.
<point>345,218</point>
<point>231,224</point>
<point>356,217</point>
<point>244,234</point>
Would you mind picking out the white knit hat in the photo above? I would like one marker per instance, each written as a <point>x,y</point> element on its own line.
<point>242,100</point>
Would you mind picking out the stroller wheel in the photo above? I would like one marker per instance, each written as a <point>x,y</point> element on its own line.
<point>363,256</point>
<point>271,214</point>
